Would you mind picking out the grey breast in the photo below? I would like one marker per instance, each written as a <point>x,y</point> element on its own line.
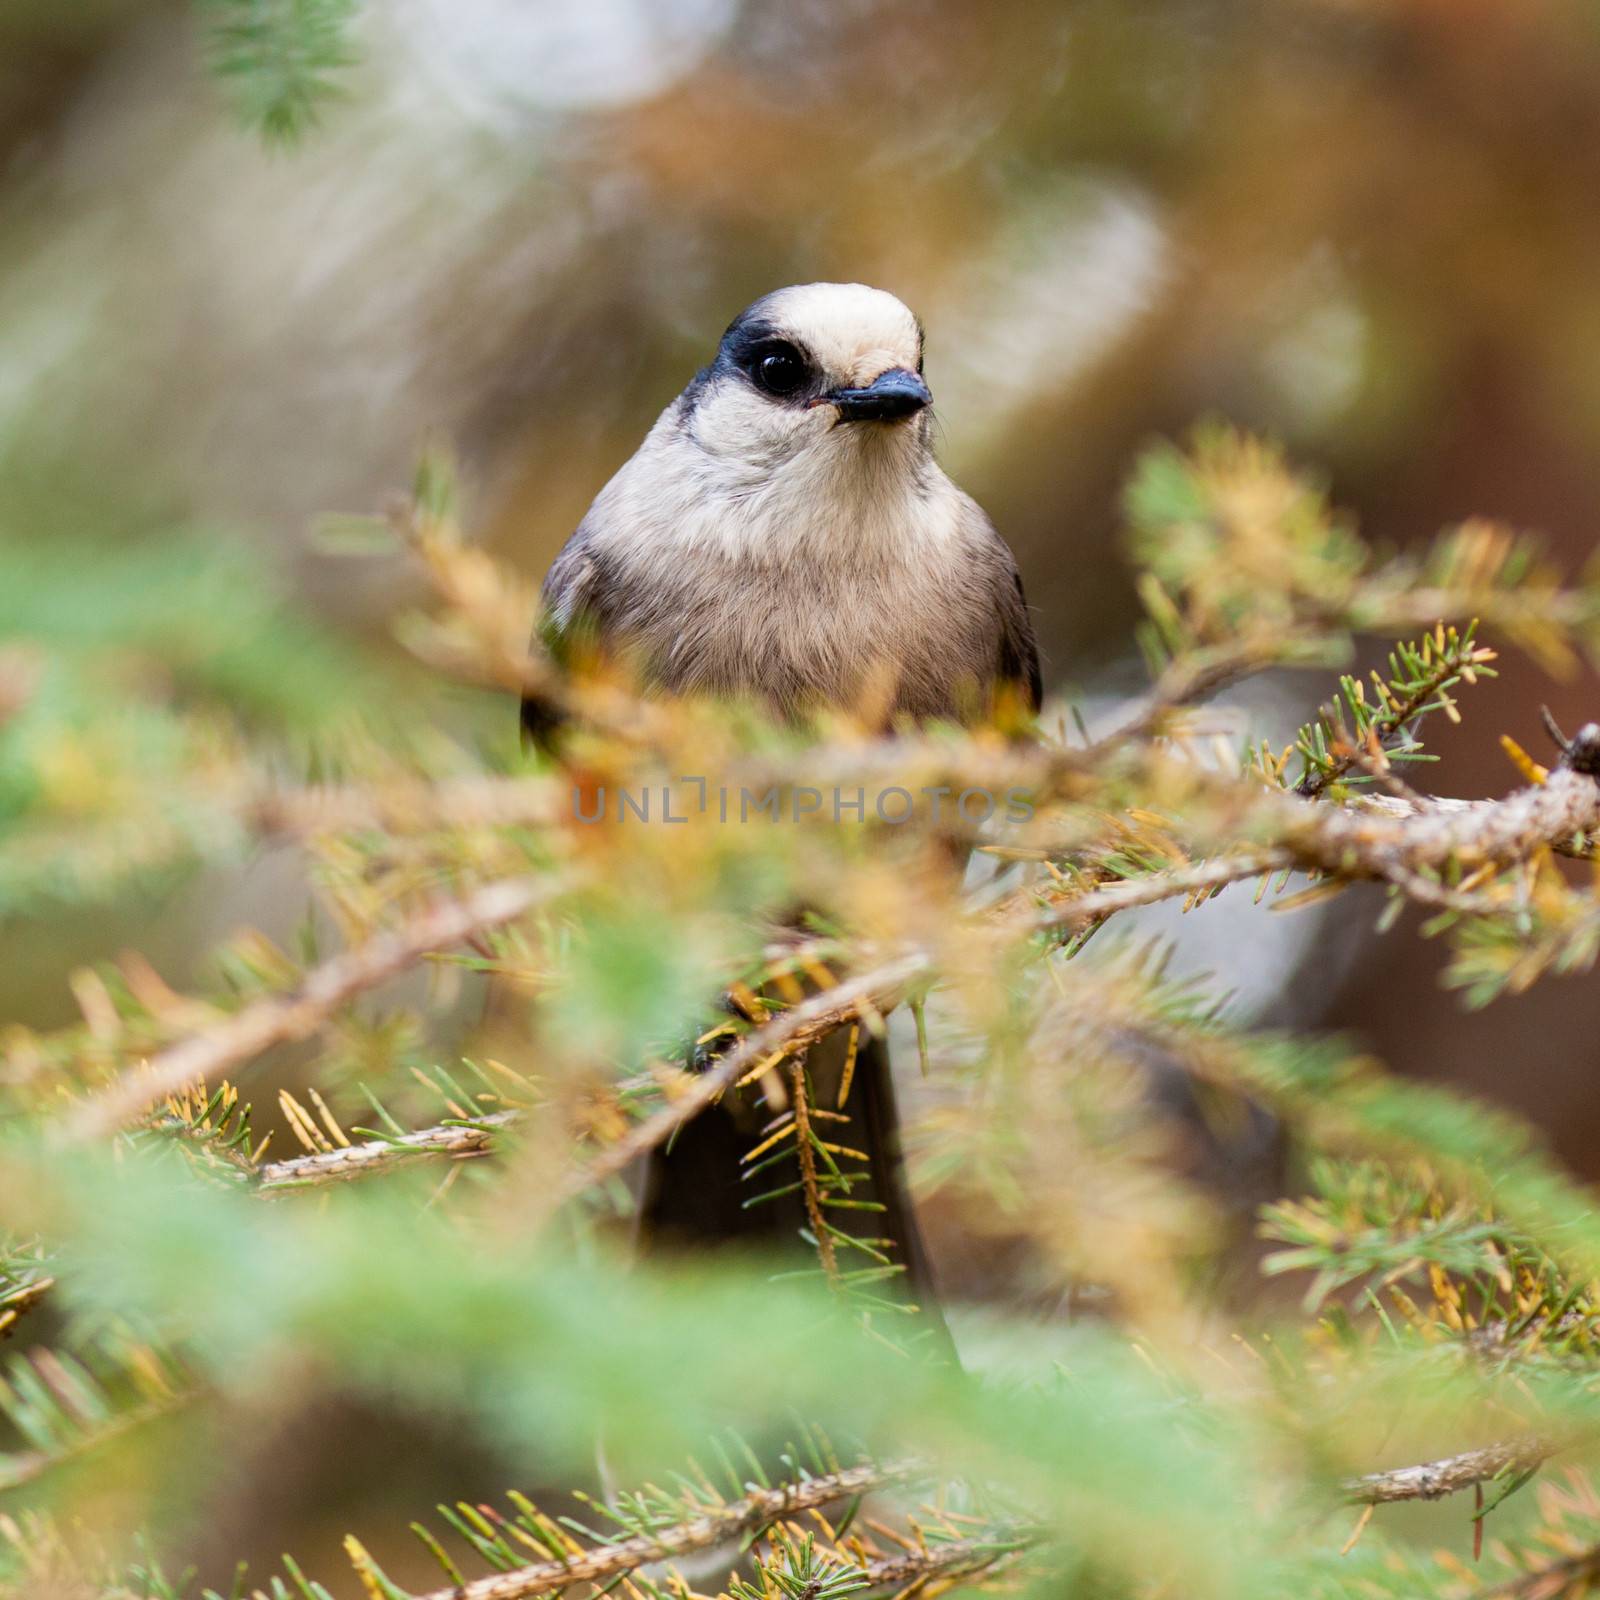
<point>930,637</point>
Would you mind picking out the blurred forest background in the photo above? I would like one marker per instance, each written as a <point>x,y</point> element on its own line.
<point>1367,227</point>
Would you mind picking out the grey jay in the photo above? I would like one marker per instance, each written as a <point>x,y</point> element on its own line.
<point>784,533</point>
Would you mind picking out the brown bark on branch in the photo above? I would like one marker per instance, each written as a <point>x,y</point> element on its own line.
<point>1433,1480</point>
<point>1387,840</point>
<point>1368,842</point>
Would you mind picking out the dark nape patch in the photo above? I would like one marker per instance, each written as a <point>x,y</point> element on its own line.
<point>690,398</point>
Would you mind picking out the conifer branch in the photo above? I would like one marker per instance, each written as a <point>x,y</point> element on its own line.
<point>1383,839</point>
<point>1196,878</point>
<point>16,1303</point>
<point>281,1018</point>
<point>718,1524</point>
<point>1498,832</point>
<point>65,1405</point>
<point>909,1572</point>
<point>873,991</point>
<point>1433,1480</point>
<point>346,1162</point>
<point>808,1172</point>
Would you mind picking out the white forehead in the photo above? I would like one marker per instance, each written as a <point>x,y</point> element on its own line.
<point>852,330</point>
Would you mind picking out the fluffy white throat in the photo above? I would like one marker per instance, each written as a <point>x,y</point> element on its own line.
<point>853,494</point>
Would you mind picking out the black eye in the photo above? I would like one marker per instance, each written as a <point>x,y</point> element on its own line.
<point>780,369</point>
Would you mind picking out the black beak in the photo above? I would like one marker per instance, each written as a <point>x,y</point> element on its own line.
<point>893,394</point>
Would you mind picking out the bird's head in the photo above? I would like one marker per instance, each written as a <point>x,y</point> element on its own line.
<point>821,366</point>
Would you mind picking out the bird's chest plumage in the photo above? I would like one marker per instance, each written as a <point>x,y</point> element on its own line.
<point>847,579</point>
<point>805,627</point>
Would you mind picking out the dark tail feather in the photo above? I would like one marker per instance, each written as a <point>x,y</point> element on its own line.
<point>697,1197</point>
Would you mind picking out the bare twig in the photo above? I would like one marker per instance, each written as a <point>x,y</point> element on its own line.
<point>1433,1480</point>
<point>279,1018</point>
<point>717,1525</point>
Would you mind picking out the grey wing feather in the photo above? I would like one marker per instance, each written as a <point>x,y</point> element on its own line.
<point>1017,656</point>
<point>565,597</point>
<point>1019,649</point>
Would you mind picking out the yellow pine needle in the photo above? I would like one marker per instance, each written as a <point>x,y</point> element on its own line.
<point>1522,761</point>
<point>433,1088</point>
<point>851,1050</point>
<point>1477,879</point>
<point>328,1120</point>
<point>823,1523</point>
<point>366,1568</point>
<point>1326,890</point>
<point>884,1531</point>
<point>748,1001</point>
<point>773,1092</point>
<point>766,1144</point>
<point>521,1079</point>
<point>1150,819</point>
<point>526,1539</point>
<point>872,1017</point>
<point>789,987</point>
<point>818,973</point>
<point>761,1069</point>
<point>305,1130</point>
<point>1359,1529</point>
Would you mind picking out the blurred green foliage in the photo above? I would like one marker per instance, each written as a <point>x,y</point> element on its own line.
<point>280,59</point>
